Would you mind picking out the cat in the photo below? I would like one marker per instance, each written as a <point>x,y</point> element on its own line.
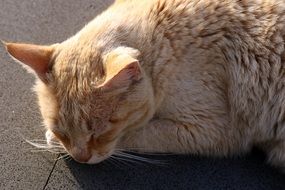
<point>168,76</point>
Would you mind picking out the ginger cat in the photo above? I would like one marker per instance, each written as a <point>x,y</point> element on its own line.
<point>179,76</point>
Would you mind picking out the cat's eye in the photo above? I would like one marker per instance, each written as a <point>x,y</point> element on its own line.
<point>96,124</point>
<point>89,125</point>
<point>113,120</point>
<point>60,135</point>
<point>95,135</point>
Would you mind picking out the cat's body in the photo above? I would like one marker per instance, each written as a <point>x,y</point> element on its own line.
<point>181,76</point>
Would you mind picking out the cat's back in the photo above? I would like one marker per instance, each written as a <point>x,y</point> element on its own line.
<point>238,64</point>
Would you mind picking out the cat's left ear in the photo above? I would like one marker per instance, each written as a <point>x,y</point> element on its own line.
<point>122,69</point>
<point>36,57</point>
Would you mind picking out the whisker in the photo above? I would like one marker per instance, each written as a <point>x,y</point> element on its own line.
<point>69,158</point>
<point>64,156</point>
<point>115,162</point>
<point>44,149</point>
<point>124,162</point>
<point>42,145</point>
<point>128,157</point>
<point>138,158</point>
<point>44,141</point>
<point>144,152</point>
<point>55,152</point>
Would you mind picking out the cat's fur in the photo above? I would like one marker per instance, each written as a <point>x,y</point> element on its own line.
<point>181,76</point>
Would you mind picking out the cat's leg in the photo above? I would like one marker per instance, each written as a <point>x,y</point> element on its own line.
<point>276,154</point>
<point>175,137</point>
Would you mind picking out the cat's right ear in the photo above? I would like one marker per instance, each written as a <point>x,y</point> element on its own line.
<point>122,69</point>
<point>36,57</point>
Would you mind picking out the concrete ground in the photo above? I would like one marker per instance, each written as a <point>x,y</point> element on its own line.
<point>49,21</point>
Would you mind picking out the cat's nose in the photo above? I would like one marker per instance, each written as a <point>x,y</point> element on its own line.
<point>80,155</point>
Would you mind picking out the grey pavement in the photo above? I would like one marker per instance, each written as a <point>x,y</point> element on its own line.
<point>50,21</point>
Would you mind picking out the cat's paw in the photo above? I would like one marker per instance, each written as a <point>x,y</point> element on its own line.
<point>50,138</point>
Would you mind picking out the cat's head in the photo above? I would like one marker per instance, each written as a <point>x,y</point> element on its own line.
<point>89,98</point>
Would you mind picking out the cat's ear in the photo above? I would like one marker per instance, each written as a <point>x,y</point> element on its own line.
<point>121,70</point>
<point>35,57</point>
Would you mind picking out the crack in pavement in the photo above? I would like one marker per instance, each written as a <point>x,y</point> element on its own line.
<point>50,173</point>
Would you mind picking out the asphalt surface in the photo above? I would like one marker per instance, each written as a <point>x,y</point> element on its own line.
<point>50,21</point>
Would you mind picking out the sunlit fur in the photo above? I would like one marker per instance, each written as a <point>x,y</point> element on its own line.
<point>211,80</point>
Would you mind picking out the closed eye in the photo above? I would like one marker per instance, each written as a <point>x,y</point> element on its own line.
<point>61,136</point>
<point>89,125</point>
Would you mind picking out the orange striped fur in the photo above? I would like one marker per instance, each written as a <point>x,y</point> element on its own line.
<point>181,76</point>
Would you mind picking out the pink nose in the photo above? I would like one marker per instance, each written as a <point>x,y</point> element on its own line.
<point>80,155</point>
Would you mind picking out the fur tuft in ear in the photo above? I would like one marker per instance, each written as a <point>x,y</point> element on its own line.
<point>35,56</point>
<point>121,70</point>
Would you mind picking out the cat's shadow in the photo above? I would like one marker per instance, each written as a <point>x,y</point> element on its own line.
<point>181,172</point>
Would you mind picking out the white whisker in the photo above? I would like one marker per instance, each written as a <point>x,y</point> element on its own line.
<point>126,161</point>
<point>45,150</point>
<point>44,141</point>
<point>131,157</point>
<point>143,151</point>
<point>121,161</point>
<point>42,146</point>
<point>115,162</point>
<point>64,156</point>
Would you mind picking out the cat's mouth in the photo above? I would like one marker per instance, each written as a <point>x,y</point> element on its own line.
<point>88,157</point>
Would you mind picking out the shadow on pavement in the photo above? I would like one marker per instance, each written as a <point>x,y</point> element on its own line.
<point>181,172</point>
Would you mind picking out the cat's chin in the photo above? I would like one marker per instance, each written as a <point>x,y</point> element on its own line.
<point>95,159</point>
